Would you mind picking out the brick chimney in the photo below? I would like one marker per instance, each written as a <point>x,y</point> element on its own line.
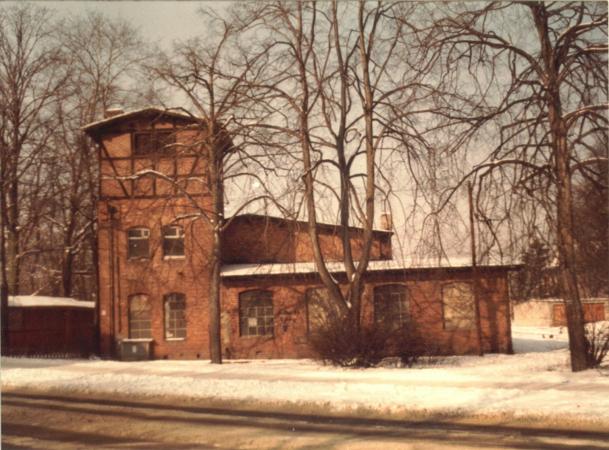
<point>111,112</point>
<point>386,223</point>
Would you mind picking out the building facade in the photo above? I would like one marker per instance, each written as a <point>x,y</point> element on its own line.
<point>154,248</point>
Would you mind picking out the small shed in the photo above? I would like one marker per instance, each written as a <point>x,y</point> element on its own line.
<point>50,326</point>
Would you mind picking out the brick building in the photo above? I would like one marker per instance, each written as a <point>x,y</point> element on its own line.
<point>153,272</point>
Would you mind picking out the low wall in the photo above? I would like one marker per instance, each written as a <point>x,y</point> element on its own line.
<point>551,312</point>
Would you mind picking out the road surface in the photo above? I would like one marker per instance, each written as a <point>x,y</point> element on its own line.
<point>53,421</point>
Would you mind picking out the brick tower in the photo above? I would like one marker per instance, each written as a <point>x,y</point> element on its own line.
<point>153,276</point>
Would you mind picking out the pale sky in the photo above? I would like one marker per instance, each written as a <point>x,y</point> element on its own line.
<point>159,22</point>
<point>163,22</point>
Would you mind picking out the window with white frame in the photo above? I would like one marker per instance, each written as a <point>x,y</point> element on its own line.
<point>140,317</point>
<point>391,307</point>
<point>458,306</point>
<point>256,313</point>
<point>138,243</point>
<point>175,316</point>
<point>173,241</point>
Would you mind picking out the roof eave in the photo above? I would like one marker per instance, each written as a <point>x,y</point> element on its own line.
<point>92,128</point>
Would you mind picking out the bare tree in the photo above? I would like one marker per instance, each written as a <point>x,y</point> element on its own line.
<point>548,97</point>
<point>591,213</point>
<point>32,75</point>
<point>216,73</point>
<point>104,56</point>
<point>334,91</point>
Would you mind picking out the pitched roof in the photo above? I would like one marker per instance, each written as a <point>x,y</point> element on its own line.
<point>151,111</point>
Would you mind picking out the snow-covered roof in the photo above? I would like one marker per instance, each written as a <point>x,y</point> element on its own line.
<point>243,270</point>
<point>31,301</point>
<point>159,110</point>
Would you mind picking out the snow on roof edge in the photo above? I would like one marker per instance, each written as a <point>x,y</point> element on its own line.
<point>160,110</point>
<point>243,270</point>
<point>31,301</point>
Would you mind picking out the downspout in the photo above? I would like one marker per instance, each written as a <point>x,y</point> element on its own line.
<point>112,211</point>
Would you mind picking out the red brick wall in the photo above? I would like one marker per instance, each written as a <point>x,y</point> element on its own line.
<point>150,204</point>
<point>424,292</point>
<point>155,277</point>
<point>256,240</point>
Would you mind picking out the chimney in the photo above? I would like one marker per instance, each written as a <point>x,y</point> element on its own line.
<point>386,223</point>
<point>111,112</point>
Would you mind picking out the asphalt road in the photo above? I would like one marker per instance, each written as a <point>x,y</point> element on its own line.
<point>44,421</point>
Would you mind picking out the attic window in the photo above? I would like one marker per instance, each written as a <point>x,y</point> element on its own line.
<point>153,142</point>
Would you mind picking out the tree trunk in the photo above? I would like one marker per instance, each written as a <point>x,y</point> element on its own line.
<point>67,268</point>
<point>12,246</point>
<point>217,198</point>
<point>578,345</point>
<point>4,280</point>
<point>564,203</point>
<point>215,337</point>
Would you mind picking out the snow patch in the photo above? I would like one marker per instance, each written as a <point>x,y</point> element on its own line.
<point>31,301</point>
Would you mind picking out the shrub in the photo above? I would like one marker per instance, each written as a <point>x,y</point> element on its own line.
<point>597,337</point>
<point>410,346</point>
<point>340,343</point>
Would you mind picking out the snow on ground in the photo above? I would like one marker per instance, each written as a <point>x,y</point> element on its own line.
<point>537,383</point>
<point>539,339</point>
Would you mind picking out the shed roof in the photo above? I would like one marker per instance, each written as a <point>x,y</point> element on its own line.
<point>34,301</point>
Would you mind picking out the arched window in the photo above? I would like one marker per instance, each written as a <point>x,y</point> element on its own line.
<point>391,307</point>
<point>175,316</point>
<point>458,306</point>
<point>256,313</point>
<point>140,317</point>
<point>138,243</point>
<point>173,241</point>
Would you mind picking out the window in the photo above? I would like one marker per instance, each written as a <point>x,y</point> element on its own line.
<point>175,316</point>
<point>256,313</point>
<point>173,241</point>
<point>138,243</point>
<point>320,309</point>
<point>153,142</point>
<point>391,307</point>
<point>458,306</point>
<point>139,317</point>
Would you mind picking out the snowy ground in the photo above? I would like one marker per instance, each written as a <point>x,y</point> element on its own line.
<point>536,382</point>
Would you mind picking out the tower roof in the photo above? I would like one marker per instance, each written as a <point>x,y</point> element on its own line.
<point>152,112</point>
